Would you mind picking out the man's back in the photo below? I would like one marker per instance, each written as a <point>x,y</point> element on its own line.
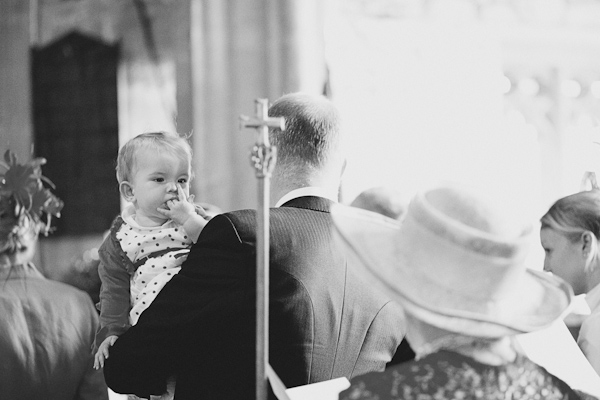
<point>325,323</point>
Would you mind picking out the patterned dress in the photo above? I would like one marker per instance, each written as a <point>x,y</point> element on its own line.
<point>157,252</point>
<point>449,375</point>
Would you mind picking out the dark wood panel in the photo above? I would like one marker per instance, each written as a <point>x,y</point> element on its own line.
<point>74,83</point>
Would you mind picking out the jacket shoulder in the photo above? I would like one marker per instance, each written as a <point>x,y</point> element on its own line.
<point>237,226</point>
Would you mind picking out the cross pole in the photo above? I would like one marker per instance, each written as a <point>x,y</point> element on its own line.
<point>263,160</point>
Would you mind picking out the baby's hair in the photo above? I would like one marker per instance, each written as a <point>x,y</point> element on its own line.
<point>171,142</point>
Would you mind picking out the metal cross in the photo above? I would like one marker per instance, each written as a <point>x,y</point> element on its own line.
<point>263,154</point>
<point>263,159</point>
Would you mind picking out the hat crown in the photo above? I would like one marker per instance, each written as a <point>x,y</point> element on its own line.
<point>475,212</point>
<point>469,222</point>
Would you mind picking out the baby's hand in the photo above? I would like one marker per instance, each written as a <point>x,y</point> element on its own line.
<point>183,212</point>
<point>102,353</point>
<point>179,209</point>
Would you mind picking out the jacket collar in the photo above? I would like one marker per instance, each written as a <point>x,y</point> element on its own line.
<point>310,202</point>
<point>20,271</point>
<point>316,191</point>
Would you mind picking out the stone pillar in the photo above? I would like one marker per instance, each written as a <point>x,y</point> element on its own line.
<point>16,130</point>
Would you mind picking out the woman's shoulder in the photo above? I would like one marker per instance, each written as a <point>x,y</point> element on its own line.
<point>405,379</point>
<point>457,376</point>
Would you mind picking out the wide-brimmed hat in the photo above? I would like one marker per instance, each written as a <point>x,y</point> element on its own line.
<point>456,263</point>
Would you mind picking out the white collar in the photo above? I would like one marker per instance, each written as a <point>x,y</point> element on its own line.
<point>593,297</point>
<point>128,215</point>
<point>307,191</point>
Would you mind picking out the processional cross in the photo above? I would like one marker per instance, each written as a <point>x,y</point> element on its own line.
<point>263,160</point>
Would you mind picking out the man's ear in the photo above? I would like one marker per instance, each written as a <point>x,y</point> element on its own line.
<point>126,191</point>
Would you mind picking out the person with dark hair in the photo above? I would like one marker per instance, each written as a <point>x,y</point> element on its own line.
<point>457,265</point>
<point>324,321</point>
<point>46,327</point>
<point>569,235</point>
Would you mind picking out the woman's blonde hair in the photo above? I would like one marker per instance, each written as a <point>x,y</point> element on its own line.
<point>572,215</point>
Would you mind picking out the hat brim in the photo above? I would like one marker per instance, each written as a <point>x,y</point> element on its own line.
<point>538,299</point>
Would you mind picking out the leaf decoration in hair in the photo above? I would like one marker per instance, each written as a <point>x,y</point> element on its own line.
<point>23,196</point>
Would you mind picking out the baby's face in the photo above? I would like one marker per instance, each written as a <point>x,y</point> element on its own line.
<point>156,177</point>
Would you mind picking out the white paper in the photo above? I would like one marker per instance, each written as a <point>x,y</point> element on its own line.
<point>555,349</point>
<point>326,390</point>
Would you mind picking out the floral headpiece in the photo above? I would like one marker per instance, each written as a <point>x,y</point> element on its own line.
<point>26,205</point>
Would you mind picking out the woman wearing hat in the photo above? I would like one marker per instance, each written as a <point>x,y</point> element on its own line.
<point>569,236</point>
<point>457,267</point>
<point>46,327</point>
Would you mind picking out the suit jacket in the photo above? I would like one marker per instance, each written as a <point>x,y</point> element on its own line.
<point>324,322</point>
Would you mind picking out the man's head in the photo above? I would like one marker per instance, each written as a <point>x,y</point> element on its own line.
<point>309,149</point>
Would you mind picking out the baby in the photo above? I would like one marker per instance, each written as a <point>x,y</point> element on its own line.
<point>150,240</point>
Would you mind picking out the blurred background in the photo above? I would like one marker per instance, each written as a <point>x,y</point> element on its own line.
<point>499,94</point>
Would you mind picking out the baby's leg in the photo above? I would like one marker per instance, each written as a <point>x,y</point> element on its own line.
<point>170,394</point>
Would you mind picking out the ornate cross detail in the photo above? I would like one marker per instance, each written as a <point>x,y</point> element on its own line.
<point>263,154</point>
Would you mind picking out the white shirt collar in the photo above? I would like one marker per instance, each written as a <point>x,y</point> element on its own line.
<point>307,191</point>
<point>593,297</point>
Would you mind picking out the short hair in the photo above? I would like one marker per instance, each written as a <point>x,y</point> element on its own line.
<point>572,215</point>
<point>312,130</point>
<point>164,141</point>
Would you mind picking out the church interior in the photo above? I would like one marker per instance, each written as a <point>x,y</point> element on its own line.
<point>500,94</point>
<point>503,95</point>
